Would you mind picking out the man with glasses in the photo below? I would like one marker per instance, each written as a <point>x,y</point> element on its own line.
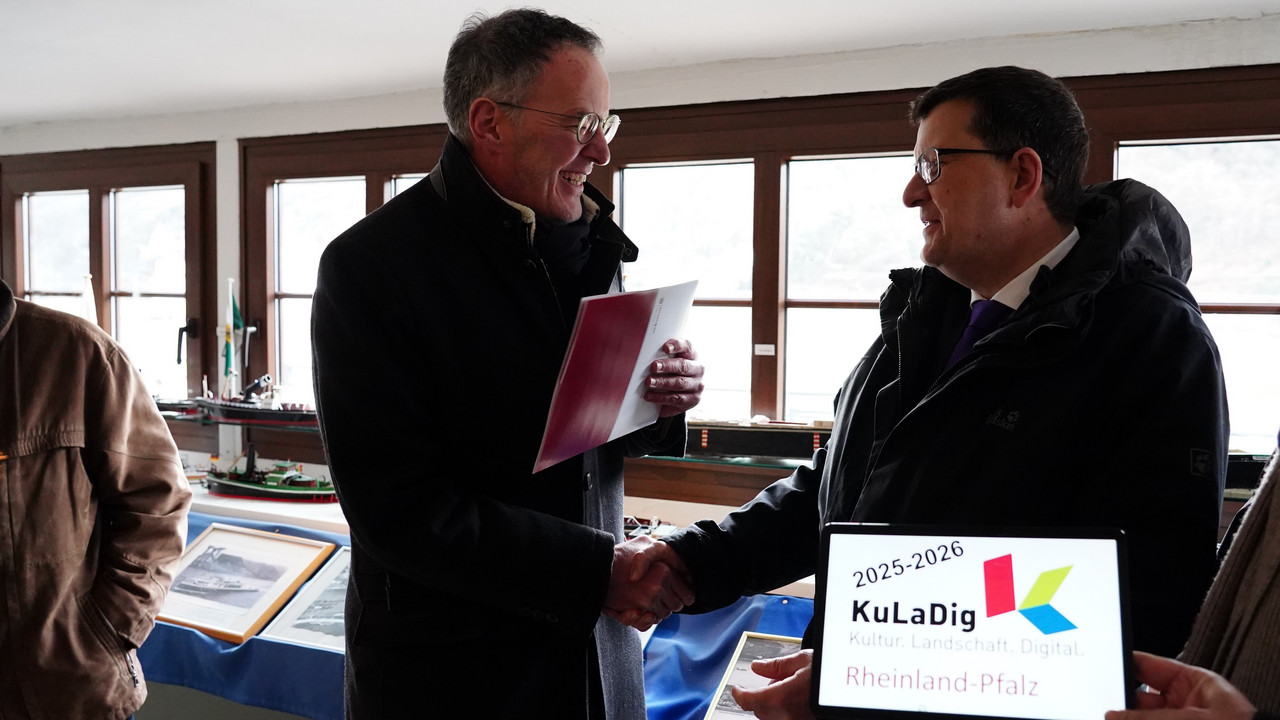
<point>1047,367</point>
<point>476,586</point>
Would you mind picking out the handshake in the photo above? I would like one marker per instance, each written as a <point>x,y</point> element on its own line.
<point>649,582</point>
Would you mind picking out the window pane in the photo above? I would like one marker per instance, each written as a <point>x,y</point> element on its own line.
<point>847,227</point>
<point>147,329</point>
<point>823,345</point>
<point>65,303</point>
<point>150,240</point>
<point>293,376</point>
<point>310,214</point>
<point>1231,208</point>
<point>400,183</point>
<point>722,339</point>
<point>691,222</point>
<point>57,241</point>
<point>1249,345</point>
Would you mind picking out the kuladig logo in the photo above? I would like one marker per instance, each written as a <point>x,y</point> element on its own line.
<point>1035,607</point>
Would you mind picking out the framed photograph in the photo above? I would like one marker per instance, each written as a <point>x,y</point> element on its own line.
<point>751,646</point>
<point>231,580</point>
<point>314,616</point>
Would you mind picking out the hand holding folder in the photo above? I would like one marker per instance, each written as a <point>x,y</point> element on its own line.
<point>599,395</point>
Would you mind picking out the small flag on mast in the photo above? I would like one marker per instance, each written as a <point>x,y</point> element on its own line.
<point>88,302</point>
<point>229,350</point>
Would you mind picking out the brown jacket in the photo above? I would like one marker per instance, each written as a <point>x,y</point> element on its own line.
<point>93,507</point>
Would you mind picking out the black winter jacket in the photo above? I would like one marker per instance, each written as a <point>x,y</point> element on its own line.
<point>1099,403</point>
<point>438,340</point>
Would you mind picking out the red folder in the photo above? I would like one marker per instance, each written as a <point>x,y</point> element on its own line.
<point>599,395</point>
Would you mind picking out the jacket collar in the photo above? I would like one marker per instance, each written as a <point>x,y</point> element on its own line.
<point>1145,226</point>
<point>482,209</point>
<point>466,191</point>
<point>1128,232</point>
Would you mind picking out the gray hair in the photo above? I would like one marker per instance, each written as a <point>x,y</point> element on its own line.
<point>501,57</point>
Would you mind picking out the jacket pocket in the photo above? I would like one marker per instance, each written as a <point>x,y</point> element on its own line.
<point>399,614</point>
<point>113,648</point>
<point>51,506</point>
<point>79,668</point>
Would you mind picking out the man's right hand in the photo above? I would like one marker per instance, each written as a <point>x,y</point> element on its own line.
<point>1183,692</point>
<point>786,697</point>
<point>649,582</point>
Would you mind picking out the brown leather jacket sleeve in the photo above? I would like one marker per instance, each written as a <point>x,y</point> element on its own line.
<point>133,465</point>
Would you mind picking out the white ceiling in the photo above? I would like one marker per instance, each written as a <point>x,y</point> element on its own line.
<point>76,59</point>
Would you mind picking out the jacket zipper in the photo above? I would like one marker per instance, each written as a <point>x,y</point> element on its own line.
<point>965,359</point>
<point>533,254</point>
<point>928,393</point>
<point>133,672</point>
<point>934,386</point>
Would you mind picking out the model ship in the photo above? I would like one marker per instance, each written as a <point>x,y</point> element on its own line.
<point>254,412</point>
<point>284,481</point>
<point>210,586</point>
<point>258,403</point>
<point>176,408</point>
<point>257,409</point>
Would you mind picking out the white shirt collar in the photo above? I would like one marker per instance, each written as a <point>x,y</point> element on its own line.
<point>1013,294</point>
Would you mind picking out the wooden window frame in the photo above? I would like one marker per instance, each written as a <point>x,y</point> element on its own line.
<point>1180,105</point>
<point>101,172</point>
<point>1221,103</point>
<point>769,134</point>
<point>376,155</point>
<point>1194,104</point>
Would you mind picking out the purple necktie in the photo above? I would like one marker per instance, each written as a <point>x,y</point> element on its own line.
<point>983,318</point>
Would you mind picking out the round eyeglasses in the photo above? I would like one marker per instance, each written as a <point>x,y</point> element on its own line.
<point>929,164</point>
<point>588,125</point>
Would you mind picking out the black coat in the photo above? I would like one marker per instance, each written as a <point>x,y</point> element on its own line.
<point>476,586</point>
<point>1099,403</point>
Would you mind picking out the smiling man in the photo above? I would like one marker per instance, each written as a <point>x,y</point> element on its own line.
<point>477,587</point>
<point>1047,367</point>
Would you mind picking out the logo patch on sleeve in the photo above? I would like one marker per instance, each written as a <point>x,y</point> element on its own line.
<point>1200,462</point>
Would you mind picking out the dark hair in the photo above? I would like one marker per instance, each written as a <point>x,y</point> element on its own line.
<point>1015,108</point>
<point>502,56</point>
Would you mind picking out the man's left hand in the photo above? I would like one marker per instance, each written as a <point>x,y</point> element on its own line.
<point>675,382</point>
<point>786,697</point>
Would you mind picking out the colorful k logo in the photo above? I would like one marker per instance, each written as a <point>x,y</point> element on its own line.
<point>998,573</point>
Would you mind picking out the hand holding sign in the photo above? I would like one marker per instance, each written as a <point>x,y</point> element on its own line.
<point>1185,692</point>
<point>988,622</point>
<point>786,697</point>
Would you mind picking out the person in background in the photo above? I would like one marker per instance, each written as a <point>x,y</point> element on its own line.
<point>93,516</point>
<point>1229,664</point>
<point>1047,367</point>
<point>476,585</point>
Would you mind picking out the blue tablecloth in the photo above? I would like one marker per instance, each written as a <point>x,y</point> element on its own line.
<point>684,660</point>
<point>304,681</point>
<point>688,654</point>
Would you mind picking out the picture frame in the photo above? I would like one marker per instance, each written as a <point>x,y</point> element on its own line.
<point>751,646</point>
<point>231,580</point>
<point>314,617</point>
